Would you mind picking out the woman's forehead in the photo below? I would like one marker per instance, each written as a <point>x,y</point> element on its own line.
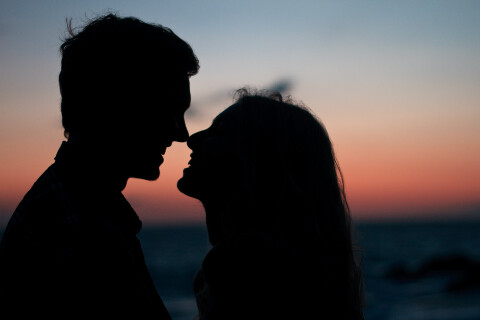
<point>226,114</point>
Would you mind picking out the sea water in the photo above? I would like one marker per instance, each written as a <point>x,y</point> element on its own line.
<point>174,255</point>
<point>408,267</point>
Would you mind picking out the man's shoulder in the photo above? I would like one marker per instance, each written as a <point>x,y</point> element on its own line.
<point>46,189</point>
<point>46,201</point>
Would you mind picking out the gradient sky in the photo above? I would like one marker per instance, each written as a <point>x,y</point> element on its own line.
<point>396,83</point>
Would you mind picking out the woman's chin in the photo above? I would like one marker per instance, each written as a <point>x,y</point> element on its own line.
<point>187,186</point>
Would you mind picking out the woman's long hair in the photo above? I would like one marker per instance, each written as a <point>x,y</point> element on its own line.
<point>293,189</point>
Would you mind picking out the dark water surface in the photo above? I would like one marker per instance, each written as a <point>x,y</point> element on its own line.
<point>412,270</point>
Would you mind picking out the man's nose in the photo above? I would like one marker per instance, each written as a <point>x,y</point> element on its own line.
<point>181,132</point>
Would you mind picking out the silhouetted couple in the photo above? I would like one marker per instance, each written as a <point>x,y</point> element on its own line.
<point>265,171</point>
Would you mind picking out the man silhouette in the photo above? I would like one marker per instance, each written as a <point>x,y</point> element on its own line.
<point>70,248</point>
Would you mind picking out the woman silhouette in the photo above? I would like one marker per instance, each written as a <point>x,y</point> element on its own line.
<point>276,215</point>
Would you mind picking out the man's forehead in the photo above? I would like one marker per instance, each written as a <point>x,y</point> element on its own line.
<point>175,94</point>
<point>179,90</point>
<point>157,78</point>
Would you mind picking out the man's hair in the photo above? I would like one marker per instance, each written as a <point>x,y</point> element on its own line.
<point>112,56</point>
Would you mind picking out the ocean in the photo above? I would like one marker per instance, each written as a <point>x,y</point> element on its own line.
<point>412,270</point>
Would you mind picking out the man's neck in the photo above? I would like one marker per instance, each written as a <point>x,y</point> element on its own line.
<point>95,163</point>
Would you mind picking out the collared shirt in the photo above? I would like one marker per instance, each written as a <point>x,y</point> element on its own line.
<point>70,250</point>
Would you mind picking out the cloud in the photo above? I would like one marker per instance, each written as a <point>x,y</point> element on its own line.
<point>282,85</point>
<point>222,96</point>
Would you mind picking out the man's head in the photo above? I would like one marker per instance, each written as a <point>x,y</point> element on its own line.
<point>125,88</point>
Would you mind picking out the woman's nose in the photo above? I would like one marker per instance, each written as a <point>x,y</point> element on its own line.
<point>194,139</point>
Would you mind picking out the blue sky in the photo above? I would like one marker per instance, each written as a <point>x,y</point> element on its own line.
<point>397,84</point>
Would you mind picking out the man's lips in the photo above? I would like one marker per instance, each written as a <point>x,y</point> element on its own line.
<point>192,160</point>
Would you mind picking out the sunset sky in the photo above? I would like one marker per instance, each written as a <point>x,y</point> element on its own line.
<point>396,84</point>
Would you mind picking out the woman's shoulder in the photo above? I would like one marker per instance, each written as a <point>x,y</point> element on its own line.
<point>247,246</point>
<point>245,255</point>
<point>258,272</point>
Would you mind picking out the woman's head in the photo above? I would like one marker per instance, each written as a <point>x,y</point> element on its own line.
<point>267,165</point>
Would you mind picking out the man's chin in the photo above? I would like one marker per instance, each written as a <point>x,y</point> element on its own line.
<point>150,175</point>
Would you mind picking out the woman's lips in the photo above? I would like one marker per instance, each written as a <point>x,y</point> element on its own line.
<point>160,160</point>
